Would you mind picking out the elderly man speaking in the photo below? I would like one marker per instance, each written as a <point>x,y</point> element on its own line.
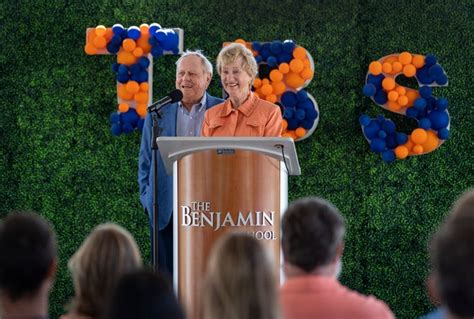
<point>193,75</point>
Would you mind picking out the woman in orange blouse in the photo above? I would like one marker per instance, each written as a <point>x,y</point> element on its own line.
<point>243,113</point>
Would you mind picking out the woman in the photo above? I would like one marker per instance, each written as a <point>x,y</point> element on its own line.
<point>240,281</point>
<point>107,253</point>
<point>243,113</point>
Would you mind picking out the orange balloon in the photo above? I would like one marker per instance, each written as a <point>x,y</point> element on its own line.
<point>296,65</point>
<point>128,45</point>
<point>388,84</point>
<point>393,106</point>
<point>401,152</point>
<point>409,145</point>
<point>99,42</point>
<point>276,75</point>
<point>284,68</point>
<point>100,30</point>
<point>300,132</point>
<point>375,67</point>
<point>402,100</point>
<point>401,90</point>
<point>141,97</point>
<point>141,109</point>
<point>266,89</point>
<point>123,93</point>
<point>109,34</point>
<point>397,67</point>
<point>387,67</point>
<point>143,43</point>
<point>284,124</point>
<point>132,87</point>
<point>257,83</point>
<point>271,98</point>
<point>419,136</point>
<point>307,73</point>
<point>123,107</point>
<point>241,41</point>
<point>418,61</point>
<point>306,63</point>
<point>278,88</point>
<point>409,70</point>
<point>418,149</point>
<point>392,95</point>
<point>432,141</point>
<point>391,59</point>
<point>265,81</point>
<point>90,49</point>
<point>294,80</point>
<point>144,86</point>
<point>138,52</point>
<point>127,58</point>
<point>144,29</point>
<point>405,58</point>
<point>90,36</point>
<point>412,95</point>
<point>299,53</point>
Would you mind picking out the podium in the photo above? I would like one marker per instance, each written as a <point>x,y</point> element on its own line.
<point>224,184</point>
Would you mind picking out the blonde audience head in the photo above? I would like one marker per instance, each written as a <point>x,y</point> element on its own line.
<point>240,281</point>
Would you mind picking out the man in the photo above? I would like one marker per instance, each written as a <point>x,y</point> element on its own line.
<point>193,75</point>
<point>312,241</point>
<point>452,257</point>
<point>27,265</point>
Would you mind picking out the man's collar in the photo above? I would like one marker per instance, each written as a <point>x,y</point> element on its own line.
<point>201,103</point>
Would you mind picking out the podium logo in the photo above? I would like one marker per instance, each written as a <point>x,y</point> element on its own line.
<point>200,214</point>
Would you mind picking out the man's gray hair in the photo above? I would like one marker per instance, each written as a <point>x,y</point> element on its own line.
<point>206,65</point>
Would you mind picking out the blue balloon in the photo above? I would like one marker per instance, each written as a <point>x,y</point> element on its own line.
<point>153,28</point>
<point>372,130</point>
<point>306,105</point>
<point>122,69</point>
<point>288,113</point>
<point>424,123</point>
<point>419,104</point>
<point>442,79</point>
<point>284,57</point>
<point>423,75</point>
<point>377,145</point>
<point>435,70</point>
<point>116,129</point>
<point>382,134</point>
<point>439,119</point>
<point>375,80</point>
<point>135,68</point>
<point>364,120</point>
<point>391,141</point>
<point>369,90</point>
<point>259,59</point>
<point>430,60</point>
<point>292,124</point>
<point>307,124</point>
<point>118,29</point>
<point>153,41</point>
<point>381,119</point>
<point>276,47</point>
<point>142,77</point>
<point>411,112</point>
<point>380,97</point>
<point>300,114</point>
<point>272,61</point>
<point>388,126</point>
<point>140,124</point>
<point>426,91</point>
<point>289,46</point>
<point>302,95</point>
<point>156,51</point>
<point>256,46</point>
<point>113,48</point>
<point>127,128</point>
<point>311,114</point>
<point>402,138</point>
<point>288,99</point>
<point>122,78</point>
<point>133,32</point>
<point>443,133</point>
<point>441,104</point>
<point>144,62</point>
<point>388,156</point>
<point>114,117</point>
<point>116,40</point>
<point>115,67</point>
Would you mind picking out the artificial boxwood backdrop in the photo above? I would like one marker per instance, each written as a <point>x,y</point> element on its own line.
<point>58,157</point>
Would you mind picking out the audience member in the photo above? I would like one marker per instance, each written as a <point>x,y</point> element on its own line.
<point>142,294</point>
<point>312,242</point>
<point>27,266</point>
<point>107,253</point>
<point>240,281</point>
<point>452,257</point>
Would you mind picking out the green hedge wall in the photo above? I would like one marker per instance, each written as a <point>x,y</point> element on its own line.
<point>59,158</point>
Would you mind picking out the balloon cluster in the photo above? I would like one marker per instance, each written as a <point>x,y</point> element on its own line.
<point>284,69</point>
<point>135,48</point>
<point>430,112</point>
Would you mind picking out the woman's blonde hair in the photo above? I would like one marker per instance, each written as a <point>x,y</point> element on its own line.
<point>105,255</point>
<point>240,281</point>
<point>230,53</point>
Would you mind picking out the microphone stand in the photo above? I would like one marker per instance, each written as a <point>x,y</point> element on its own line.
<point>155,133</point>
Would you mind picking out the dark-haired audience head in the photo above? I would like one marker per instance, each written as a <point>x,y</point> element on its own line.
<point>144,294</point>
<point>452,256</point>
<point>27,262</point>
<point>240,281</point>
<point>312,238</point>
<point>107,253</point>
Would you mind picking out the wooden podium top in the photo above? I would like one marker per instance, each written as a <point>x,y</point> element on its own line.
<point>283,149</point>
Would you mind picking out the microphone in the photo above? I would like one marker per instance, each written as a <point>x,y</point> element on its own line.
<point>172,97</point>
